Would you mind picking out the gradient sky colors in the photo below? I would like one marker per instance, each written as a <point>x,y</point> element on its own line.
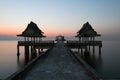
<point>63,17</point>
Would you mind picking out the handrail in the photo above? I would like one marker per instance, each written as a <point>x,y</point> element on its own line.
<point>34,42</point>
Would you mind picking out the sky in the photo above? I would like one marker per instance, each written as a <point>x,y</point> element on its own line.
<point>60,17</point>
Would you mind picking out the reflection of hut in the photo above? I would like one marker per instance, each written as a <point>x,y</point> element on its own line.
<point>32,33</point>
<point>87,33</point>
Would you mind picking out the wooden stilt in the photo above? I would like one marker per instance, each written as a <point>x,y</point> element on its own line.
<point>99,50</point>
<point>18,53</point>
<point>39,50</point>
<point>93,49</point>
<point>26,50</point>
<point>89,47</point>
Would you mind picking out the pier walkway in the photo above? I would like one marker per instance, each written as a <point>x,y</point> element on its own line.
<point>58,64</point>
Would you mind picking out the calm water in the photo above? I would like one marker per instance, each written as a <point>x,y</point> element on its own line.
<point>9,62</point>
<point>107,66</point>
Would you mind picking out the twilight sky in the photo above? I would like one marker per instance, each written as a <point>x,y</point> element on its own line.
<point>63,17</point>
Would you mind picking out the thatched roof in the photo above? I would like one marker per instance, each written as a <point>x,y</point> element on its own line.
<point>32,30</point>
<point>87,31</point>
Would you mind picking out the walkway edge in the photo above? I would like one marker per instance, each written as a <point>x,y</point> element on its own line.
<point>20,73</point>
<point>90,71</point>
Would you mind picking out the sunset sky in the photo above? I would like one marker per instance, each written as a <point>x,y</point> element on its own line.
<point>63,17</point>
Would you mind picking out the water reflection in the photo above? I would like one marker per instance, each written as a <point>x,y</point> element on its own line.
<point>91,58</point>
<point>26,56</point>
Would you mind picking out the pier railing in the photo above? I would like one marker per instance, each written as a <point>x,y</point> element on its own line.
<point>85,43</point>
<point>35,43</point>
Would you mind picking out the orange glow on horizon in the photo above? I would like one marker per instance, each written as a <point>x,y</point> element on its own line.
<point>12,30</point>
<point>58,33</point>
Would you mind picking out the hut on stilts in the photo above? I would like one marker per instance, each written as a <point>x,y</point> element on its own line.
<point>87,36</point>
<point>31,34</point>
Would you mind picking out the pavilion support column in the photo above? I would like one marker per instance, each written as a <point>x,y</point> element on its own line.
<point>18,53</point>
<point>79,39</point>
<point>93,49</point>
<point>99,51</point>
<point>34,52</point>
<point>26,50</point>
<point>25,38</point>
<point>90,38</point>
<point>26,54</point>
<point>81,51</point>
<point>78,50</point>
<point>93,38</point>
<point>39,39</point>
<point>86,53</point>
<point>89,47</point>
<point>34,39</point>
<point>39,50</point>
<point>31,39</point>
<point>31,48</point>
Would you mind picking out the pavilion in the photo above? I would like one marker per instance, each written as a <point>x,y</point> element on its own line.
<point>87,33</point>
<point>32,33</point>
<point>60,38</point>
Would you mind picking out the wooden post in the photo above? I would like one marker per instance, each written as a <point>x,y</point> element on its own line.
<point>25,38</point>
<point>26,50</point>
<point>78,47</point>
<point>93,49</point>
<point>89,47</point>
<point>99,50</point>
<point>31,39</point>
<point>81,51</point>
<point>38,50</point>
<point>18,53</point>
<point>26,54</point>
<point>78,50</point>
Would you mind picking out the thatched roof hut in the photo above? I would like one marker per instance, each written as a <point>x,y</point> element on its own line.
<point>32,30</point>
<point>87,31</point>
<point>32,33</point>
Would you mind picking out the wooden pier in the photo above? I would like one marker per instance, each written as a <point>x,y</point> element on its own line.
<point>56,64</point>
<point>85,45</point>
<point>59,62</point>
<point>34,45</point>
<point>47,44</point>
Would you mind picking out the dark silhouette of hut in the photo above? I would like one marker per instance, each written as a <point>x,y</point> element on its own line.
<point>32,33</point>
<point>60,38</point>
<point>87,33</point>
